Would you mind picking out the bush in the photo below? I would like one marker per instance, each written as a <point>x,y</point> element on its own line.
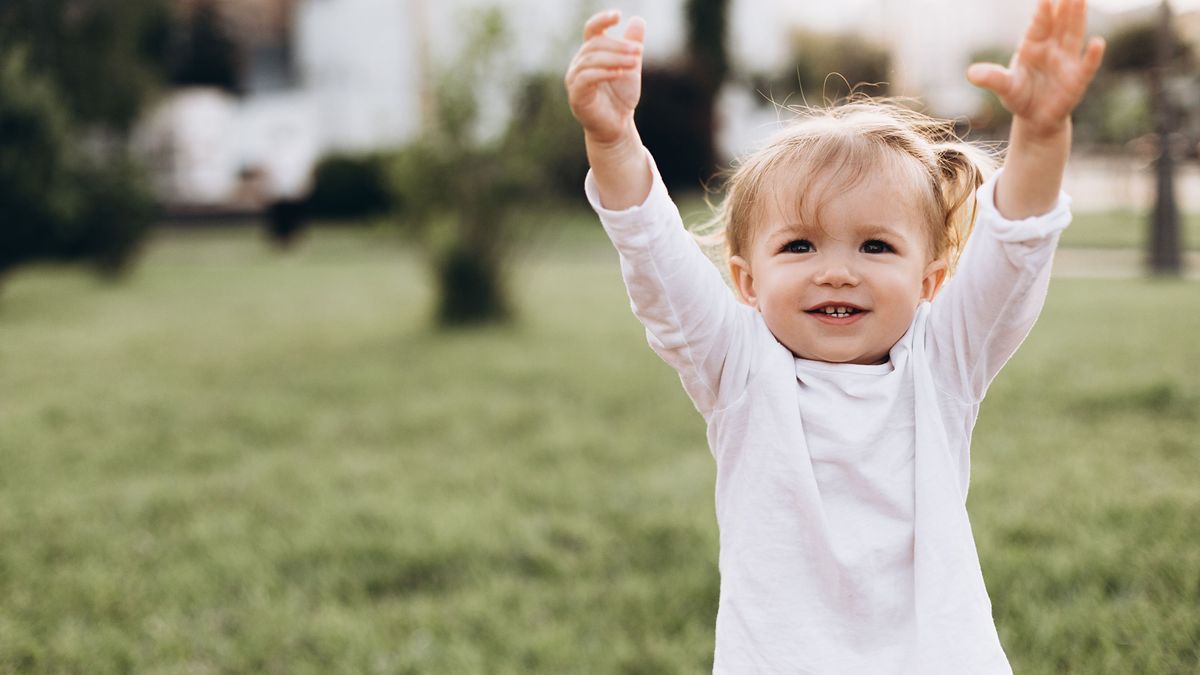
<point>117,212</point>
<point>349,187</point>
<point>286,220</point>
<point>58,203</point>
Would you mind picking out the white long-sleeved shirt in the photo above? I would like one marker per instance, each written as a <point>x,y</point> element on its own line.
<point>841,489</point>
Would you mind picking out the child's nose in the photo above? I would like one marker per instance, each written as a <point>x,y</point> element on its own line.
<point>836,274</point>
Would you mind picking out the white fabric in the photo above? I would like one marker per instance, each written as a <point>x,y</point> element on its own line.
<point>841,489</point>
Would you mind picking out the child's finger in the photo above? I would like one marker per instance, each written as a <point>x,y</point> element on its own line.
<point>990,76</point>
<point>599,23</point>
<point>589,78</point>
<point>1092,57</point>
<point>610,44</point>
<point>636,30</point>
<point>605,60</point>
<point>1042,25</point>
<point>1075,26</point>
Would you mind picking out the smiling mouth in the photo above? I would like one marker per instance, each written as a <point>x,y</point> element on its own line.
<point>835,311</point>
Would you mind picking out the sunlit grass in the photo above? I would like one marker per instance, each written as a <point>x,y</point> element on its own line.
<point>246,462</point>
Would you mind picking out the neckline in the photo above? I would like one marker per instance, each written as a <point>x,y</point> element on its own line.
<point>862,369</point>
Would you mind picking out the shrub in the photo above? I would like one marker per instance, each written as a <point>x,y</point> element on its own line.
<point>286,220</point>
<point>55,201</point>
<point>348,187</point>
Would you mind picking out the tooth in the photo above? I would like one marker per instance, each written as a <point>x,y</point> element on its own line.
<point>842,310</point>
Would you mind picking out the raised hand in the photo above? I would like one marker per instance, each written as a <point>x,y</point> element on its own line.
<point>604,80</point>
<point>1050,71</point>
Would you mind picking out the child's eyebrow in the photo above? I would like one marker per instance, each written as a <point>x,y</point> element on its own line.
<point>795,229</point>
<point>880,230</point>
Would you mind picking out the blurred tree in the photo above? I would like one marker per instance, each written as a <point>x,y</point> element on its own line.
<point>546,137</point>
<point>677,113</point>
<point>675,119</point>
<point>105,57</point>
<point>1165,258</point>
<point>457,190</point>
<point>204,52</point>
<point>1133,48</point>
<point>74,75</point>
<point>708,53</point>
<point>57,202</point>
<point>1131,98</point>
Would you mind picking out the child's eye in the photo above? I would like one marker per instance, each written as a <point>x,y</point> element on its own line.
<point>876,246</point>
<point>797,246</point>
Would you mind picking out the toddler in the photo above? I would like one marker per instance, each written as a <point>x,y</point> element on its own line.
<point>841,378</point>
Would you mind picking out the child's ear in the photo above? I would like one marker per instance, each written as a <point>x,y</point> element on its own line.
<point>935,276</point>
<point>743,280</point>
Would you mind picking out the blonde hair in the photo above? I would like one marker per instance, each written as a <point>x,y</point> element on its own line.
<point>835,147</point>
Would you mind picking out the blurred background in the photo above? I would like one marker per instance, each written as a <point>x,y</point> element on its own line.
<point>312,358</point>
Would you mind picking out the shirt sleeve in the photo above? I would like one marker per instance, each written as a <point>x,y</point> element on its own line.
<point>692,320</point>
<point>990,304</point>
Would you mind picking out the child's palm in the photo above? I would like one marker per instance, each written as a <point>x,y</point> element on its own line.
<point>1050,71</point>
<point>604,81</point>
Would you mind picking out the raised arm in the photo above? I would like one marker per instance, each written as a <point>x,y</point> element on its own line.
<point>691,317</point>
<point>604,84</point>
<point>1043,83</point>
<point>986,310</point>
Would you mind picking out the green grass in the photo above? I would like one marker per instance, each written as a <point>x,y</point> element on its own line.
<point>244,462</point>
<point>1123,228</point>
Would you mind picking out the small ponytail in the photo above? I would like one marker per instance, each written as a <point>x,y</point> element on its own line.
<point>960,169</point>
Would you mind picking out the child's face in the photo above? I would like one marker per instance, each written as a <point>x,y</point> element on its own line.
<point>871,257</point>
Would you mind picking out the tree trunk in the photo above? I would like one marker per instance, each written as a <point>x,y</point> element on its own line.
<point>1165,258</point>
<point>471,288</point>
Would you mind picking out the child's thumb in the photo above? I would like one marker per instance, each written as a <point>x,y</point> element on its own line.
<point>636,30</point>
<point>990,76</point>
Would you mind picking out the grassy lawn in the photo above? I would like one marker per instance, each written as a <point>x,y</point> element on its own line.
<point>1123,228</point>
<point>245,462</point>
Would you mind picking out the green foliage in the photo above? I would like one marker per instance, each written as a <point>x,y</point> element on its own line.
<point>58,202</point>
<point>38,191</point>
<point>350,186</point>
<point>116,217</point>
<point>457,192</point>
<point>826,67</point>
<point>106,57</point>
<point>546,138</point>
<point>247,464</point>
<point>1117,107</point>
<point>1117,112</point>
